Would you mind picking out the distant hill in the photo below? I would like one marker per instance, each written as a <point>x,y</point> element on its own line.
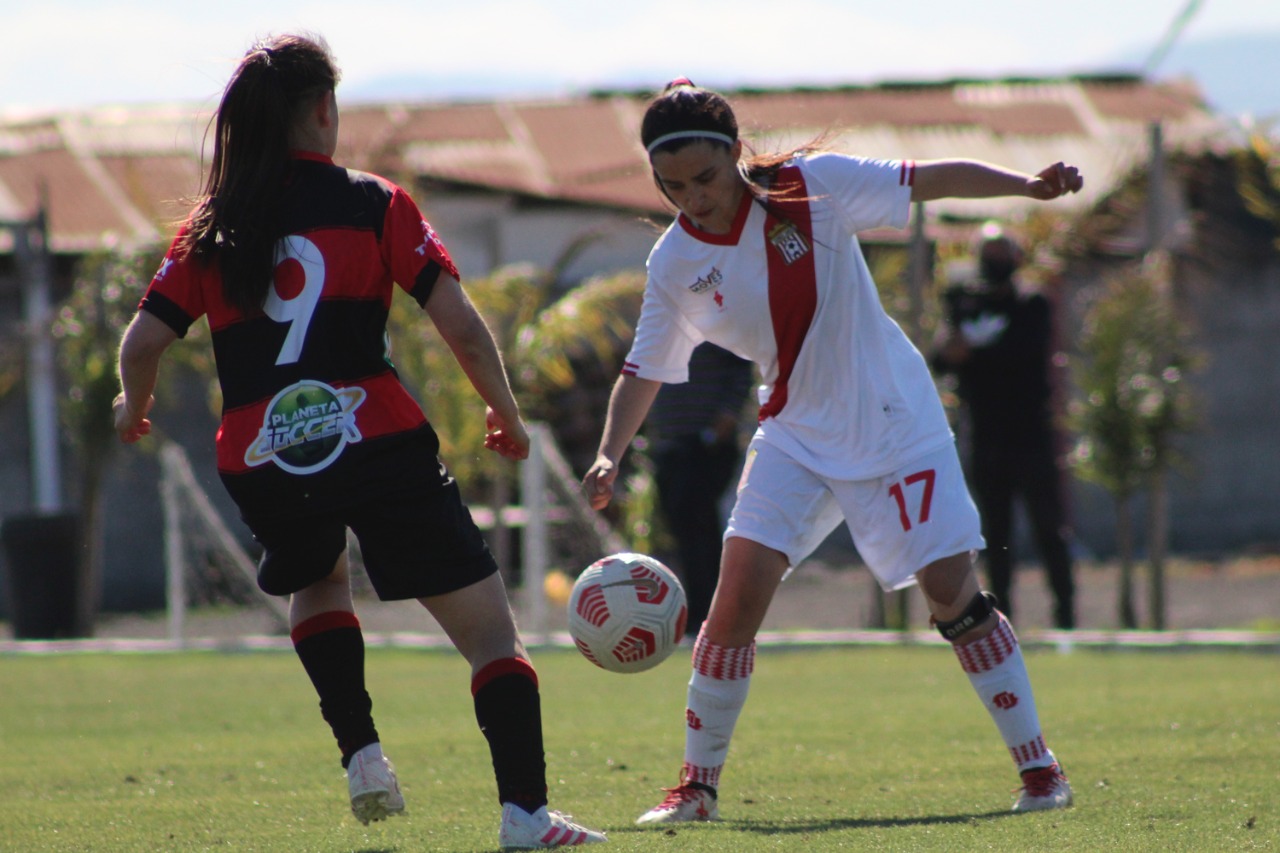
<point>1238,74</point>
<point>453,87</point>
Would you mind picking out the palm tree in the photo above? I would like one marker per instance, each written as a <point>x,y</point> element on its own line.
<point>562,354</point>
<point>567,361</point>
<point>508,300</point>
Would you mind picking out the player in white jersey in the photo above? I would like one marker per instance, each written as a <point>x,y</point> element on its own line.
<point>763,260</point>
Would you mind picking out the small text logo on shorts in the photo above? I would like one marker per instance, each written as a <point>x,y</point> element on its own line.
<point>306,426</point>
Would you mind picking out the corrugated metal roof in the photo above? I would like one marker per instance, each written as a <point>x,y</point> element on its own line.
<point>106,175</point>
<point>453,123</point>
<point>163,187</point>
<point>81,216</point>
<point>573,151</point>
<point>1176,101</point>
<point>121,174</point>
<point>591,131</point>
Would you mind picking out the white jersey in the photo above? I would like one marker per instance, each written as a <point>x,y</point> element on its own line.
<point>844,391</point>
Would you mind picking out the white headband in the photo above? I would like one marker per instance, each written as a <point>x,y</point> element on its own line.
<point>689,134</point>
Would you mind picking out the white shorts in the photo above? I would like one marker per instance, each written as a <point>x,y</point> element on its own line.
<point>900,523</point>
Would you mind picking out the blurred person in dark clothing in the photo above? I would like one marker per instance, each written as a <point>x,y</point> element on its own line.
<point>998,343</point>
<point>693,431</point>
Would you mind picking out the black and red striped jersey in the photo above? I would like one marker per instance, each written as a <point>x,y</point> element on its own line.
<point>308,388</point>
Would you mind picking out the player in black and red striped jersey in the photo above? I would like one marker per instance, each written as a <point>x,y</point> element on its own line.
<point>294,261</point>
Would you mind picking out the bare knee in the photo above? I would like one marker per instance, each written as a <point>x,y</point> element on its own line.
<point>479,622</point>
<point>330,593</point>
<point>749,575</point>
<point>948,584</point>
<point>956,602</point>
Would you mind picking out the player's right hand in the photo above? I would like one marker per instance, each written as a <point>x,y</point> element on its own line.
<point>1054,181</point>
<point>506,438</point>
<point>597,485</point>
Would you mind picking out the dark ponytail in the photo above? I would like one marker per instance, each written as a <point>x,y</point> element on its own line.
<point>236,221</point>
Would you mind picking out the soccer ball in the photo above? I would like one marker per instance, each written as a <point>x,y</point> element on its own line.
<point>627,612</point>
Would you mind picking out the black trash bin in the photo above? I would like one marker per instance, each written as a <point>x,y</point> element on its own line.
<point>43,557</point>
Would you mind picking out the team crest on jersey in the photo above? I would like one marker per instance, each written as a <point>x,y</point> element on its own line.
<point>713,279</point>
<point>306,427</point>
<point>789,242</point>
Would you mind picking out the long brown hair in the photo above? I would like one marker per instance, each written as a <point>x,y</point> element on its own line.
<point>682,107</point>
<point>236,217</point>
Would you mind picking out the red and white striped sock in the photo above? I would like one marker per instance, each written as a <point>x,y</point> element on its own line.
<point>717,692</point>
<point>998,673</point>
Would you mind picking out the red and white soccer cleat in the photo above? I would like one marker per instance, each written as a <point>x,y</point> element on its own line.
<point>542,830</point>
<point>683,803</point>
<point>1043,788</point>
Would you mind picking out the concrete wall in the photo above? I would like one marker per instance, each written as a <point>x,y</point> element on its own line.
<point>1226,499</point>
<point>484,232</point>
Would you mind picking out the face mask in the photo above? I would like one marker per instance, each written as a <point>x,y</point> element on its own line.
<point>997,270</point>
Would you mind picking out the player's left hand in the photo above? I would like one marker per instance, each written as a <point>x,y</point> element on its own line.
<point>1057,180</point>
<point>131,425</point>
<point>506,439</point>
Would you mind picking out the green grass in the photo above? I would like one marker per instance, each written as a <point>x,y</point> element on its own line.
<point>839,749</point>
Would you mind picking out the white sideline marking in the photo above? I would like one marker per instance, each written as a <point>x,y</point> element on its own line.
<point>1062,641</point>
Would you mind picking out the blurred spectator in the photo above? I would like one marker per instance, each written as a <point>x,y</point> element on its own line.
<point>998,342</point>
<point>693,430</point>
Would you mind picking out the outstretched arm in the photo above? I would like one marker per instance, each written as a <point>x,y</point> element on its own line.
<point>936,179</point>
<point>141,348</point>
<point>472,344</point>
<point>628,405</point>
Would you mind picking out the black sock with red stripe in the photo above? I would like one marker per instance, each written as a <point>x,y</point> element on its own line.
<point>331,648</point>
<point>509,711</point>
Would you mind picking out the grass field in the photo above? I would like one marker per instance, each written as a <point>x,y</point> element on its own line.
<point>839,749</point>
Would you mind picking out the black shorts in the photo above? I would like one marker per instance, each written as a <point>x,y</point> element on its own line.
<point>416,536</point>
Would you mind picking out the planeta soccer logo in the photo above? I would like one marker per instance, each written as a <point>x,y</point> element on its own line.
<point>306,426</point>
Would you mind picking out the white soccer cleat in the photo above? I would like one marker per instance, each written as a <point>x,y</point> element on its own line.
<point>542,830</point>
<point>371,780</point>
<point>1043,788</point>
<point>684,803</point>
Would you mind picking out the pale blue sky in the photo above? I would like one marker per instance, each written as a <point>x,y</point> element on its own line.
<point>60,54</point>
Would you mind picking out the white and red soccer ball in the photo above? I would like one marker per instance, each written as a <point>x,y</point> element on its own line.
<point>627,612</point>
